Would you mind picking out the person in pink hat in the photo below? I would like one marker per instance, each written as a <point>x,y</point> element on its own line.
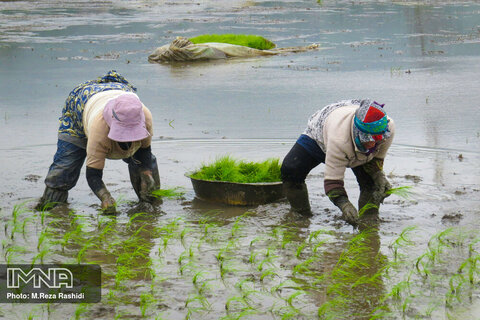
<point>102,119</point>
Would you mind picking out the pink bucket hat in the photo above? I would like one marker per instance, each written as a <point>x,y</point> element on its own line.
<point>124,115</point>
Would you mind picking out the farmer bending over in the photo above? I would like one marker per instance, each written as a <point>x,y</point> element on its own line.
<point>102,119</point>
<point>348,134</point>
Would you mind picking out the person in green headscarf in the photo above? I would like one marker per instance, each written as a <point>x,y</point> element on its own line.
<point>352,134</point>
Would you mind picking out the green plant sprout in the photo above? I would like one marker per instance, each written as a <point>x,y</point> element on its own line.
<point>146,300</point>
<point>402,241</point>
<point>81,309</point>
<point>403,192</point>
<point>172,193</point>
<point>366,208</point>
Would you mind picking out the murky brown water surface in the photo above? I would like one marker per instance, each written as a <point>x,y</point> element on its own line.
<point>205,261</point>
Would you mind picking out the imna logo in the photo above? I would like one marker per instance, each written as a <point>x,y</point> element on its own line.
<point>52,278</point>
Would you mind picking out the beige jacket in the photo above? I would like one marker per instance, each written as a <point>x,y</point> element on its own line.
<point>337,141</point>
<point>99,146</point>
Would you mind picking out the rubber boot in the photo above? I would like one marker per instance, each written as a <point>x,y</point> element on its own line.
<point>297,195</point>
<point>51,198</point>
<point>366,198</point>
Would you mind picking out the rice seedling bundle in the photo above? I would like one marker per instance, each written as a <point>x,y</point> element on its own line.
<point>229,169</point>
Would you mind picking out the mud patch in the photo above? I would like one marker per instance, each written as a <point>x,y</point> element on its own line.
<point>452,218</point>
<point>32,178</point>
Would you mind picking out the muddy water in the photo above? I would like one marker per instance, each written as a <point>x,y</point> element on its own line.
<point>420,59</point>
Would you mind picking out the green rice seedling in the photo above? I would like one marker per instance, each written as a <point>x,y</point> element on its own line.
<point>253,256</point>
<point>317,246</point>
<point>300,249</point>
<point>402,241</point>
<point>160,317</point>
<point>365,208</point>
<point>198,276</point>
<point>304,267</point>
<point>89,244</point>
<point>442,239</point>
<point>14,252</point>
<point>455,283</point>
<point>268,273</point>
<point>136,218</point>
<point>146,300</point>
<point>41,254</point>
<point>171,193</point>
<point>205,305</point>
<point>224,269</point>
<point>283,236</point>
<point>238,223</point>
<point>183,256</point>
<point>436,246</point>
<point>74,235</point>
<point>294,295</point>
<point>81,309</point>
<point>31,315</point>
<point>229,169</point>
<point>244,314</point>
<point>333,309</point>
<point>471,247</point>
<point>473,268</point>
<point>16,225</point>
<point>225,251</point>
<point>183,234</point>
<point>406,304</point>
<point>252,41</point>
<point>431,308</point>
<point>246,287</point>
<point>242,284</point>
<point>267,260</point>
<point>24,224</point>
<point>315,234</point>
<point>186,266</point>
<point>403,192</point>
<point>268,252</point>
<point>43,214</point>
<point>257,239</point>
<point>5,243</point>
<point>17,210</point>
<point>290,314</point>
<point>422,265</point>
<point>284,284</point>
<point>230,304</point>
<point>204,287</point>
<point>41,238</point>
<point>398,289</point>
<point>121,315</point>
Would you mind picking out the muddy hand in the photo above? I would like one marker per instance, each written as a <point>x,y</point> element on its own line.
<point>108,203</point>
<point>147,185</point>
<point>349,213</point>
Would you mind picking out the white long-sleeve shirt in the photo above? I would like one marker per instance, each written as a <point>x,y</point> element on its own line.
<point>332,129</point>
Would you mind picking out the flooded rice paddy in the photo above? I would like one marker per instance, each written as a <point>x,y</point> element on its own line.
<point>194,260</point>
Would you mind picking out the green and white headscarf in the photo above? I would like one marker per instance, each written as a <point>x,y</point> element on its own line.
<point>370,123</point>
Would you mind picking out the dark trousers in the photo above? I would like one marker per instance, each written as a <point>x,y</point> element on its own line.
<point>298,163</point>
<point>67,164</point>
<point>68,161</point>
